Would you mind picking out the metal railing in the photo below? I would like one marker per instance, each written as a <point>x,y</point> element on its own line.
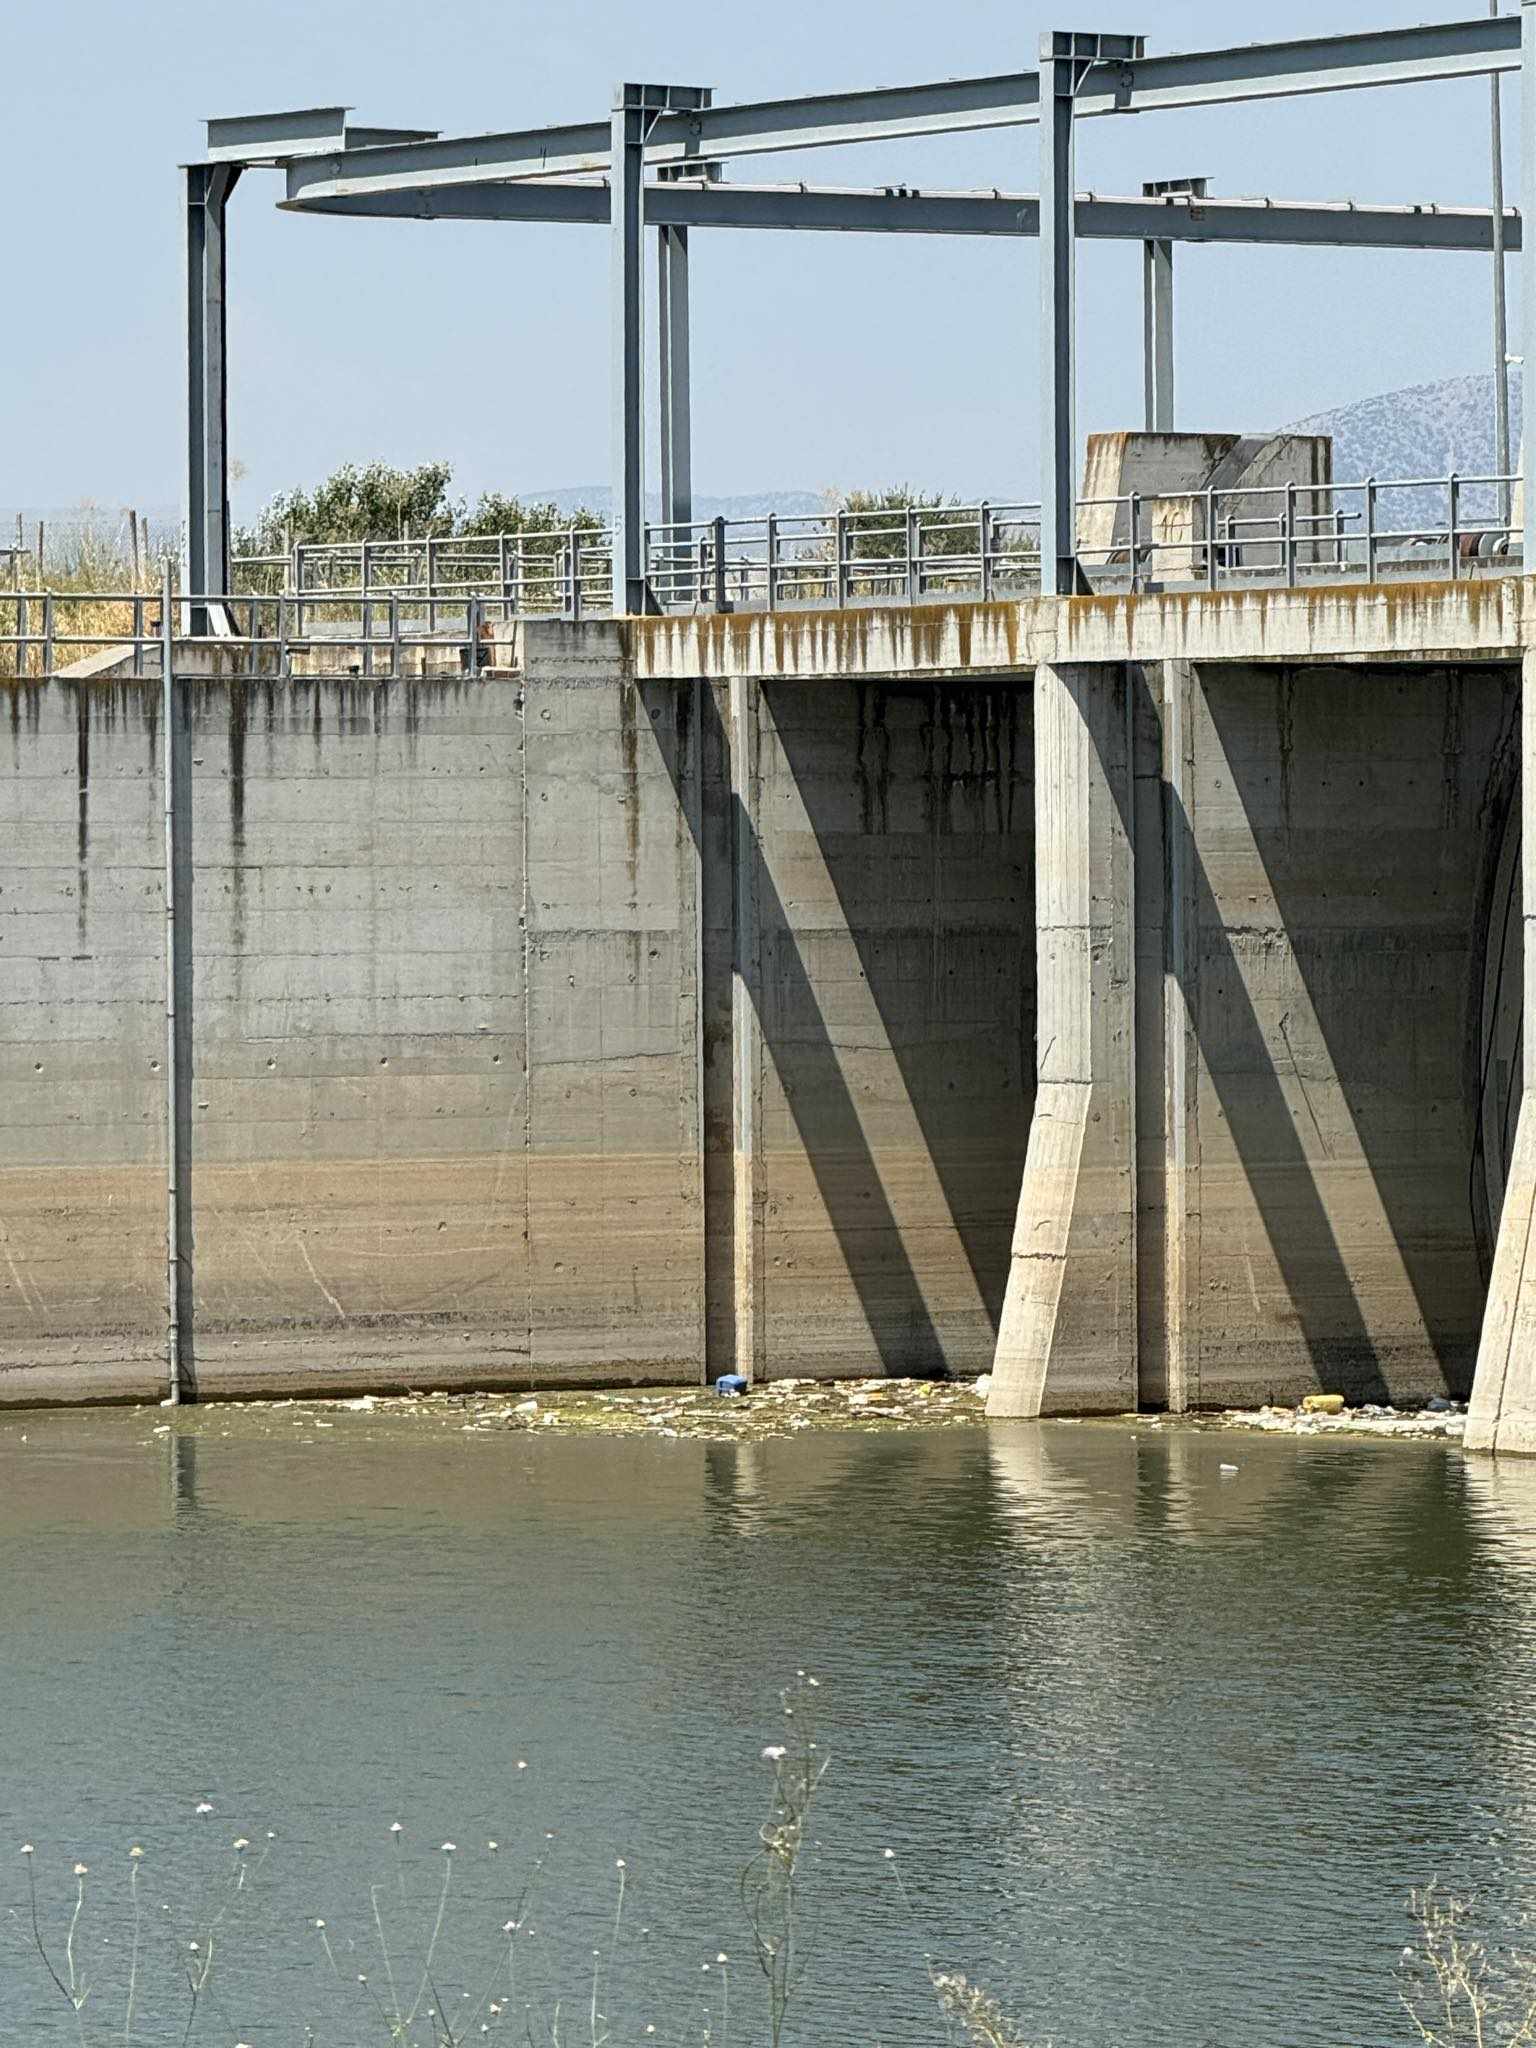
<point>85,635</point>
<point>886,555</point>
<point>383,609</point>
<point>1294,533</point>
<point>1300,533</point>
<point>565,573</point>
<point>773,562</point>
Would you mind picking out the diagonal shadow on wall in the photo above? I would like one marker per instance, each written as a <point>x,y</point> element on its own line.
<point>1395,991</point>
<point>1279,1175</point>
<point>937,780</point>
<point>846,1173</point>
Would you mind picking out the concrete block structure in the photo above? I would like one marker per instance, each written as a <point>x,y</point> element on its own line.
<point>1124,992</point>
<point>1270,831</point>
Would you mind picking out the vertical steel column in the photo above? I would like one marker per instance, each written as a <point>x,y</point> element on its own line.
<point>1058,427</point>
<point>176,727</point>
<point>1066,58</point>
<point>635,108</point>
<point>676,374</point>
<point>631,124</point>
<point>1528,275</point>
<point>207,508</point>
<point>1157,335</point>
<point>1157,307</point>
<point>676,408</point>
<point>1501,452</point>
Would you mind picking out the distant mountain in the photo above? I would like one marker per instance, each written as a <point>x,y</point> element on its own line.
<point>1425,430</point>
<point>745,505</point>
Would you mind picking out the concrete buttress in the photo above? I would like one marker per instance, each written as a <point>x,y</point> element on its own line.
<point>1068,1338</point>
<point>1502,1415</point>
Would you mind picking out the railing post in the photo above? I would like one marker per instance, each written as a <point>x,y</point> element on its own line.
<point>772,597</point>
<point>1453,493</point>
<point>721,603</point>
<point>138,636</point>
<point>363,605</point>
<point>48,636</point>
<point>575,561</point>
<point>984,544</point>
<point>1290,535</point>
<point>501,561</point>
<point>394,634</point>
<point>472,631</point>
<point>914,542</point>
<point>1370,529</point>
<point>1135,518</point>
<point>841,578</point>
<point>1210,538</point>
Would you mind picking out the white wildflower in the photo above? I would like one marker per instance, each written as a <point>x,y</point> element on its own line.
<point>774,1752</point>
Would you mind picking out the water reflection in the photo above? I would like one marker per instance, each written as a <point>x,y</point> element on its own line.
<point>1160,1746</point>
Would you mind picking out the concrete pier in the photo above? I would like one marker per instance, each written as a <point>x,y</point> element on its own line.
<point>1067,1339</point>
<point>665,999</point>
<point>1502,1416</point>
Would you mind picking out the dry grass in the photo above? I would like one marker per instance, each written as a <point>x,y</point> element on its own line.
<point>92,576</point>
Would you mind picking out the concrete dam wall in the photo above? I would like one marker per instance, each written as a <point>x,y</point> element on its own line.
<point>666,999</point>
<point>465,955</point>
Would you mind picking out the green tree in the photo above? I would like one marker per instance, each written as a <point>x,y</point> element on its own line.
<point>371,501</point>
<point>494,513</point>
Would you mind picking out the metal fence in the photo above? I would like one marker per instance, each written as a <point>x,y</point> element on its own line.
<point>88,635</point>
<point>1291,534</point>
<point>397,608</point>
<point>1247,534</point>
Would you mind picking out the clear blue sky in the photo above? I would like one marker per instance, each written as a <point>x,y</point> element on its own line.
<point>819,360</point>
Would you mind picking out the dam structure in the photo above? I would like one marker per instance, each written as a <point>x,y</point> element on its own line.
<point>1079,940</point>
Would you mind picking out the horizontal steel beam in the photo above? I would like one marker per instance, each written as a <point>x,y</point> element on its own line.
<point>258,138</point>
<point>304,131</point>
<point>1458,49</point>
<point>1265,71</point>
<point>1291,223</point>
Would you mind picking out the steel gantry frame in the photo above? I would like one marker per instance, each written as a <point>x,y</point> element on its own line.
<point>596,173</point>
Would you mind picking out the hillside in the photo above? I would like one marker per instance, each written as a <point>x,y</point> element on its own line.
<point>1425,430</point>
